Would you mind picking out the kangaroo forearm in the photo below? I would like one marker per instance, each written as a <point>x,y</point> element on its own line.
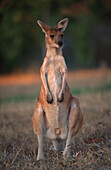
<point>61,92</point>
<point>49,96</point>
<point>63,82</point>
<point>45,82</point>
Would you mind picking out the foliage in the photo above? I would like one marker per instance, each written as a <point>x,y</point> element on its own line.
<point>20,38</point>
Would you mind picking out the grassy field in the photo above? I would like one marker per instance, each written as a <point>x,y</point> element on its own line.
<point>91,148</point>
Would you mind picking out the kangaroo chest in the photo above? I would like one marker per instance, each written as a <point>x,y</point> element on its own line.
<point>54,74</point>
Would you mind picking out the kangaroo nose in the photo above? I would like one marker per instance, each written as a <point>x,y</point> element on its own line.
<point>60,43</point>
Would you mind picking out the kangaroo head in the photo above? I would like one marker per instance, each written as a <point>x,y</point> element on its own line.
<point>54,37</point>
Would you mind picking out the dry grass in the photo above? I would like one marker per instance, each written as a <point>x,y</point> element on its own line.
<point>91,148</point>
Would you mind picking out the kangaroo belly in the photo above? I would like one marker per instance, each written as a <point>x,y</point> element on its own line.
<point>56,116</point>
<point>54,82</point>
<point>57,119</point>
<point>56,112</point>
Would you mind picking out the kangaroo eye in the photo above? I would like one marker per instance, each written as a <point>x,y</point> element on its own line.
<point>62,35</point>
<point>52,36</point>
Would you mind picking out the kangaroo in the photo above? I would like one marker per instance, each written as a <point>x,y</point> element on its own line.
<point>57,114</point>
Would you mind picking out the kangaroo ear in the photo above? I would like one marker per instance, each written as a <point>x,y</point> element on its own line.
<point>62,25</point>
<point>44,27</point>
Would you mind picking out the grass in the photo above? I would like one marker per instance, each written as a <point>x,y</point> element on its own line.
<point>91,148</point>
<point>87,90</point>
<point>19,98</point>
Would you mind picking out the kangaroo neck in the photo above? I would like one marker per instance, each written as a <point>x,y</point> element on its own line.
<point>51,52</point>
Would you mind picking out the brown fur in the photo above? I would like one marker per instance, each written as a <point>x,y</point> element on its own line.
<point>57,114</point>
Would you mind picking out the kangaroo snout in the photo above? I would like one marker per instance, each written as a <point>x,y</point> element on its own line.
<point>60,43</point>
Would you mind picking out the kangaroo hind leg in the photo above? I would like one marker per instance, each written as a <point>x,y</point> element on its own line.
<point>39,128</point>
<point>74,124</point>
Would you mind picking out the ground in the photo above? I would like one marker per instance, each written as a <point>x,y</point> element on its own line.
<point>91,148</point>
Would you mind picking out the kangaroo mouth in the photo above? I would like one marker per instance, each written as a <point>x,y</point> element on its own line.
<point>56,46</point>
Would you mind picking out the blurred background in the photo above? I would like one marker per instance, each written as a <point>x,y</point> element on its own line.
<point>87,38</point>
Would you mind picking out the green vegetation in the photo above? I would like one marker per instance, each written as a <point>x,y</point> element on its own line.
<point>22,42</point>
<point>87,90</point>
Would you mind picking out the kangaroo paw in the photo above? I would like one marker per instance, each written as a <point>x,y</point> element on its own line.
<point>61,97</point>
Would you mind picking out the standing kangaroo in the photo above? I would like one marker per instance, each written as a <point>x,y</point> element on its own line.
<point>57,113</point>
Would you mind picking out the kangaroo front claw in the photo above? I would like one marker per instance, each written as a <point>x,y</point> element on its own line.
<point>49,98</point>
<point>61,97</point>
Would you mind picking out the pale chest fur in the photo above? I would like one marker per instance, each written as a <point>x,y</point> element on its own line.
<point>55,68</point>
